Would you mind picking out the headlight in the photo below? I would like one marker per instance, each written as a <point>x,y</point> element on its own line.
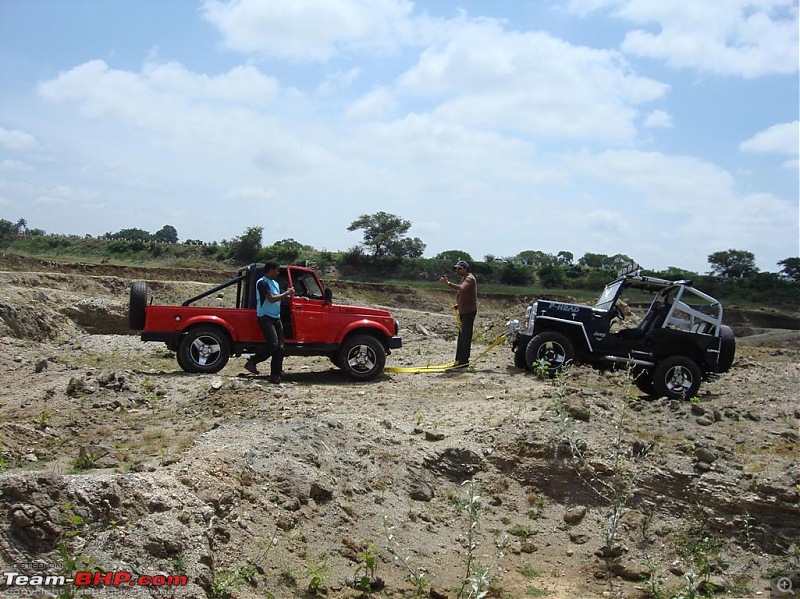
<point>531,313</point>
<point>513,329</point>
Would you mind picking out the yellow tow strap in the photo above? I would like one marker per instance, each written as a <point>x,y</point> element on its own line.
<point>449,365</point>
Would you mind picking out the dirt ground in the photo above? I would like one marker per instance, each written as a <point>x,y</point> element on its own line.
<point>414,485</point>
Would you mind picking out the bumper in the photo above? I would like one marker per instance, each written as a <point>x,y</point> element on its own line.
<point>395,342</point>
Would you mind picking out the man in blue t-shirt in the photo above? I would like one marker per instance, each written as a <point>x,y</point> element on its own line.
<point>268,310</point>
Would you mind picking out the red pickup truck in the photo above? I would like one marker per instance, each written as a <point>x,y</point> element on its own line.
<point>357,339</point>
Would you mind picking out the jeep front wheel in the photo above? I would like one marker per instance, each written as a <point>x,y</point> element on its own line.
<point>204,349</point>
<point>548,351</point>
<point>676,377</point>
<point>643,380</point>
<point>362,357</point>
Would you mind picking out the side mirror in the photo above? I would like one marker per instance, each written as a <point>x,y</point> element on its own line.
<point>328,296</point>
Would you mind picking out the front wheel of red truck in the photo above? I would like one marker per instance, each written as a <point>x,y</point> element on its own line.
<point>204,349</point>
<point>362,357</point>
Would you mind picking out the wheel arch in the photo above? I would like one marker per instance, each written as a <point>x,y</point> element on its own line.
<point>575,333</point>
<point>213,321</point>
<point>365,328</point>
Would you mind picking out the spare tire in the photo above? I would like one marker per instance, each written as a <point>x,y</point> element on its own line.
<point>727,348</point>
<point>137,305</point>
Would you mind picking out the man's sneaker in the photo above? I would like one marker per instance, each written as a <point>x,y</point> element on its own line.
<point>275,380</point>
<point>250,367</point>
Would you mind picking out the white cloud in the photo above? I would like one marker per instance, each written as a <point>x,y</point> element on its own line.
<point>701,211</point>
<point>530,82</point>
<point>338,80</point>
<point>309,29</point>
<point>658,119</point>
<point>14,165</point>
<point>749,38</point>
<point>105,91</point>
<point>374,105</point>
<point>252,193</point>
<point>778,139</point>
<point>13,139</point>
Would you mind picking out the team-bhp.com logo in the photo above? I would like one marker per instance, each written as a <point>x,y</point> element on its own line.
<point>92,579</point>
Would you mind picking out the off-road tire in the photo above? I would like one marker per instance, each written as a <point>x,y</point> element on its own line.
<point>643,379</point>
<point>362,357</point>
<point>137,305</point>
<point>676,377</point>
<point>552,348</point>
<point>727,348</point>
<point>519,359</point>
<point>204,349</point>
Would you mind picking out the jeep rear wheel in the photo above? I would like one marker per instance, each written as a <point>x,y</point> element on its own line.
<point>362,357</point>
<point>550,351</point>
<point>727,348</point>
<point>676,377</point>
<point>204,349</point>
<point>137,305</point>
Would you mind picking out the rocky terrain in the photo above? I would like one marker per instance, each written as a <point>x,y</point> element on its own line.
<point>415,485</point>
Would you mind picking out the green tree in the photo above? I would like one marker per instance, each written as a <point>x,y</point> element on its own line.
<point>384,235</point>
<point>6,228</point>
<point>515,274</point>
<point>551,276</point>
<point>565,258</point>
<point>790,267</point>
<point>733,264</point>
<point>246,248</point>
<point>166,234</point>
<point>129,235</point>
<point>453,256</point>
<point>536,258</point>
<point>286,251</point>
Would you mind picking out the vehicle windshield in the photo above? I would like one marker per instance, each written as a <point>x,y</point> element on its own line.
<point>305,285</point>
<point>606,299</point>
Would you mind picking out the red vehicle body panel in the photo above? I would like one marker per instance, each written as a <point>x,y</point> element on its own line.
<point>313,324</point>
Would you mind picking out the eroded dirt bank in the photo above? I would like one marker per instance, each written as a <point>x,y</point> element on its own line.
<point>114,459</point>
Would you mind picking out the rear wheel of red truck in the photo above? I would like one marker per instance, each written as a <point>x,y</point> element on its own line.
<point>204,349</point>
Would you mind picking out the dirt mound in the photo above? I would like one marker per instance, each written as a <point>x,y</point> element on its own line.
<point>412,485</point>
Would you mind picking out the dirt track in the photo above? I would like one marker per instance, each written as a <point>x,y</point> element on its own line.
<point>253,490</point>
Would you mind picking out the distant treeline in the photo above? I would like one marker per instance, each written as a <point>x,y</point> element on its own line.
<point>733,277</point>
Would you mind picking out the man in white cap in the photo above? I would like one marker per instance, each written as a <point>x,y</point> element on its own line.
<point>467,306</point>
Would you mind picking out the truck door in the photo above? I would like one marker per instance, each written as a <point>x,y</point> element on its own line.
<point>309,312</point>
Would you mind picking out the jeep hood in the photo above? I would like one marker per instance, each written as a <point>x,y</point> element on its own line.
<point>361,311</point>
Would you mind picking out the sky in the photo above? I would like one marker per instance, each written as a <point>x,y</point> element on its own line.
<point>664,131</point>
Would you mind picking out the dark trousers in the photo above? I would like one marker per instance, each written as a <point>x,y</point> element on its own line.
<point>464,343</point>
<point>272,329</point>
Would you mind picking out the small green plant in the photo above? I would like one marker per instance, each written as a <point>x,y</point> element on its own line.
<point>317,574</point>
<point>521,531</point>
<point>655,582</point>
<point>541,369</point>
<point>529,571</point>
<point>86,460</point>
<point>364,578</point>
<point>179,564</point>
<point>222,585</point>
<point>478,577</point>
<point>44,417</point>
<point>413,574</point>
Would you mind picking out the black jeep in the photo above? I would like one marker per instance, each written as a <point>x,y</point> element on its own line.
<point>680,342</point>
